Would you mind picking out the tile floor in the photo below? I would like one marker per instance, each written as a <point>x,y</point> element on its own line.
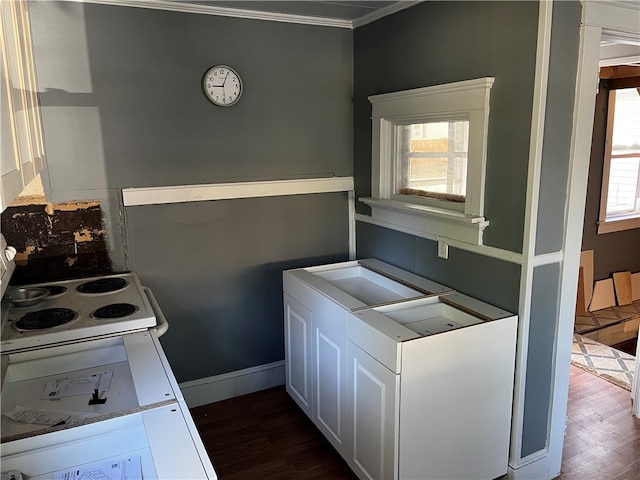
<point>604,361</point>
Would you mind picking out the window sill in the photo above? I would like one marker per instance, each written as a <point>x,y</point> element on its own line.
<point>426,221</point>
<point>619,224</point>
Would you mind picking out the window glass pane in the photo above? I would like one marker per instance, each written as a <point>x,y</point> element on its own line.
<point>626,125</point>
<point>624,169</point>
<point>623,185</point>
<point>433,159</point>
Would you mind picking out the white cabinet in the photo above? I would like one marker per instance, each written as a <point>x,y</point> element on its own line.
<point>330,377</point>
<point>405,384</point>
<point>316,363</point>
<point>297,338</point>
<point>373,411</point>
<point>22,149</point>
<point>454,358</point>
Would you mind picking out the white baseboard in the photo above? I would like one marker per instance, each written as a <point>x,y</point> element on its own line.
<point>537,469</point>
<point>232,384</point>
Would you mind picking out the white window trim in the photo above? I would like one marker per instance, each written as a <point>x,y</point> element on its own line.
<point>469,99</point>
<point>612,223</point>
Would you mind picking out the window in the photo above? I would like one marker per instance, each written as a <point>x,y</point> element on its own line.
<point>428,160</point>
<point>620,196</point>
<point>432,160</point>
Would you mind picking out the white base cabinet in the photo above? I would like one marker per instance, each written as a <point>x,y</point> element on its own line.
<point>415,388</point>
<point>316,364</point>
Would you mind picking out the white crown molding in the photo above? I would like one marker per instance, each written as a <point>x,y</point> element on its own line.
<point>223,12</point>
<point>177,6</point>
<point>383,12</point>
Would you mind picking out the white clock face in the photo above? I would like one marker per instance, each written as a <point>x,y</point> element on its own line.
<point>222,85</point>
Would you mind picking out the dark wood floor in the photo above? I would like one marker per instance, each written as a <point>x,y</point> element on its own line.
<point>265,436</point>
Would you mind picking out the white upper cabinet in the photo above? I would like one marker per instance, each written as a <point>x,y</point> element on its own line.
<point>22,151</point>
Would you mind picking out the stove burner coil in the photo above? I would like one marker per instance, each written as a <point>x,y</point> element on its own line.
<point>55,290</point>
<point>102,285</point>
<point>114,310</point>
<point>46,318</point>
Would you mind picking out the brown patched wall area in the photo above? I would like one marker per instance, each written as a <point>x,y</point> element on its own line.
<point>56,241</point>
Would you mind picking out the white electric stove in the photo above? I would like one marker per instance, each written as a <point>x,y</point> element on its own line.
<point>86,386</point>
<point>77,309</point>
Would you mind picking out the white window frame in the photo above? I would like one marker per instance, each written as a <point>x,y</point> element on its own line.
<point>620,222</point>
<point>431,218</point>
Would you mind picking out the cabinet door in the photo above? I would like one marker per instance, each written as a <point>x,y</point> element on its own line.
<point>373,414</point>
<point>330,376</point>
<point>22,152</point>
<point>297,338</point>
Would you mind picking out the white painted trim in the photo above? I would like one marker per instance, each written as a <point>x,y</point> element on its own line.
<point>546,259</point>
<point>580,156</point>
<point>427,221</point>
<point>614,15</point>
<point>618,225</point>
<point>504,255</point>
<point>612,62</point>
<point>368,219</point>
<point>232,384</point>
<point>635,385</point>
<point>530,223</point>
<point>226,191</point>
<point>223,12</point>
<point>383,12</point>
<point>352,225</point>
<point>469,100</point>
<point>532,467</point>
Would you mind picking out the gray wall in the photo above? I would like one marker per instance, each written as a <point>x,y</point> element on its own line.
<point>440,42</point>
<point>123,107</point>
<point>216,270</point>
<point>558,127</point>
<point>616,251</point>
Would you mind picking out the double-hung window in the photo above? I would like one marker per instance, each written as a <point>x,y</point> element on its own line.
<point>428,160</point>
<point>620,196</point>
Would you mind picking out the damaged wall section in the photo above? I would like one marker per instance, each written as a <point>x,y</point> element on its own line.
<point>56,241</point>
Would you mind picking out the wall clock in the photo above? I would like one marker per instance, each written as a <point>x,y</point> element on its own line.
<point>222,85</point>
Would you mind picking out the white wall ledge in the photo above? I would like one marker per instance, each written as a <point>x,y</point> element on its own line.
<point>426,221</point>
<point>227,191</point>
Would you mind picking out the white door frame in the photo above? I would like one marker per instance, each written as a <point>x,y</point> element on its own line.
<point>596,16</point>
